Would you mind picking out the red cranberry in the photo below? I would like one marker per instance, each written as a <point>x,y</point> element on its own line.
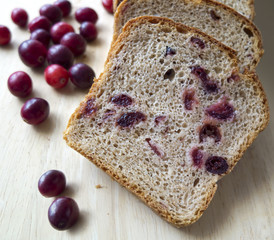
<point>64,5</point>
<point>56,76</point>
<point>89,109</point>
<point>197,157</point>
<point>189,98</point>
<point>86,15</point>
<point>122,100</point>
<point>5,35</point>
<point>198,42</point>
<point>59,54</point>
<point>53,13</point>
<point>216,165</point>
<point>20,17</point>
<point>155,148</point>
<point>221,111</point>
<point>52,183</point>
<point>20,84</point>
<point>81,75</point>
<point>211,131</point>
<point>63,213</point>
<point>58,30</point>
<point>130,118</point>
<point>35,111</point>
<point>170,51</point>
<point>32,53</point>
<point>75,42</point>
<point>160,119</point>
<point>38,23</point>
<point>108,5</point>
<point>88,31</point>
<point>42,36</point>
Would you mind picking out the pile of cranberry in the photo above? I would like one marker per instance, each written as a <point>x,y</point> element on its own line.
<point>55,43</point>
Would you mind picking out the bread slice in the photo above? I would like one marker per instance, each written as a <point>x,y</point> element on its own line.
<point>169,116</point>
<point>215,19</point>
<point>244,7</point>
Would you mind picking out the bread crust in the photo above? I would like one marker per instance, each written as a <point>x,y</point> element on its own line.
<point>154,205</point>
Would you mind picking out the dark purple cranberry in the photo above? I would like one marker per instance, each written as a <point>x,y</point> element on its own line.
<point>209,130</point>
<point>20,17</point>
<point>56,76</point>
<point>63,213</point>
<point>160,119</point>
<point>75,42</point>
<point>155,148</point>
<point>35,111</point>
<point>198,42</point>
<point>81,75</point>
<point>216,165</point>
<point>197,157</point>
<point>122,100</point>
<point>214,16</point>
<point>108,5</point>
<point>233,77</point>
<point>52,183</point>
<point>89,108</point>
<point>221,111</point>
<point>170,51</point>
<point>5,35</point>
<point>20,84</point>
<point>60,54</point>
<point>32,53</point>
<point>64,5</point>
<point>40,22</point>
<point>58,30</point>
<point>189,98</point>
<point>88,31</point>
<point>130,118</point>
<point>86,14</point>
<point>42,36</point>
<point>53,13</point>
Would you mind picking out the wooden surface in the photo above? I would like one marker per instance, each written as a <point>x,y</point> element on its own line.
<point>241,209</point>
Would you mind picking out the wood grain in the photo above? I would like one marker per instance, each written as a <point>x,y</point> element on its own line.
<point>241,209</point>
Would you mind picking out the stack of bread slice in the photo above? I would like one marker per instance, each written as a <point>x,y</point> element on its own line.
<point>177,104</point>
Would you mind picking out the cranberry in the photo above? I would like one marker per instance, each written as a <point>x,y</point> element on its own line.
<point>209,130</point>
<point>197,157</point>
<point>108,5</point>
<point>155,148</point>
<point>198,42</point>
<point>81,75</point>
<point>214,16</point>
<point>88,31</point>
<point>86,15</point>
<point>63,213</point>
<point>56,76</point>
<point>170,51</point>
<point>42,36</point>
<point>189,99</point>
<point>216,165</point>
<point>75,42</point>
<point>5,35</point>
<point>20,84</point>
<point>20,17</point>
<point>221,111</point>
<point>89,109</point>
<point>35,111</point>
<point>53,13</point>
<point>122,100</point>
<point>59,54</point>
<point>64,5</point>
<point>130,118</point>
<point>160,119</point>
<point>38,23</point>
<point>32,53</point>
<point>52,183</point>
<point>58,30</point>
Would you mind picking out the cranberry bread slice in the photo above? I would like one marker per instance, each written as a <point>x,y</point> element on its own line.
<point>169,116</point>
<point>244,7</point>
<point>215,19</point>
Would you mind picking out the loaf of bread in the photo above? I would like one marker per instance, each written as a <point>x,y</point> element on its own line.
<point>169,116</point>
<point>215,19</point>
<point>244,7</point>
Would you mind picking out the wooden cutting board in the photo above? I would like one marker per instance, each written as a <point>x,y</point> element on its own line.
<point>241,209</point>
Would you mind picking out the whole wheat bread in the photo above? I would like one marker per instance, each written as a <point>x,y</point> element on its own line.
<point>244,7</point>
<point>169,116</point>
<point>215,19</point>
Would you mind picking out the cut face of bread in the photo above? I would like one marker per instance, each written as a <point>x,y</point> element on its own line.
<point>215,19</point>
<point>244,7</point>
<point>169,116</point>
